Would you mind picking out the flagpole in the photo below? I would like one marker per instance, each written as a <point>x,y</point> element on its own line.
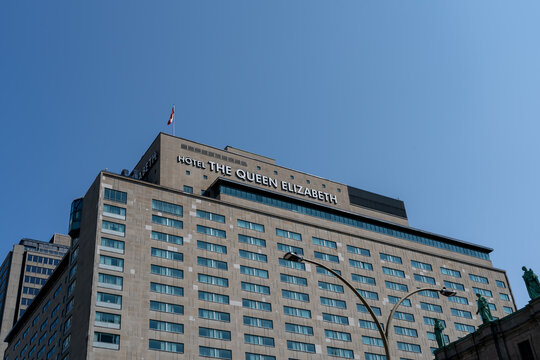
<point>173,124</point>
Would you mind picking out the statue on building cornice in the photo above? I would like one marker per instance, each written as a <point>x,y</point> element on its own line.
<point>483,309</point>
<point>531,282</point>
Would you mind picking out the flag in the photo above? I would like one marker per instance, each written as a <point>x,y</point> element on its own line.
<point>171,118</point>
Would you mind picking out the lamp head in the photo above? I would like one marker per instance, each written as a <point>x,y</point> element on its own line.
<point>292,256</point>
<point>446,292</point>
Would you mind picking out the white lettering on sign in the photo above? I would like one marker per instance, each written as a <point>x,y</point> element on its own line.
<point>256,178</point>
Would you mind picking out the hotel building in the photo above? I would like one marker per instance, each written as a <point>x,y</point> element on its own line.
<point>183,258</point>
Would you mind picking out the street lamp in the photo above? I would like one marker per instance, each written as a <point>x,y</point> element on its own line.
<point>444,292</point>
<point>291,256</point>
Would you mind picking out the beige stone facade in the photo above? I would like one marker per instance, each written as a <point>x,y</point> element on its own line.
<point>182,259</point>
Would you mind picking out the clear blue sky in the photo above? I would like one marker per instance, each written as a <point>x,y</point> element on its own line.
<point>433,102</point>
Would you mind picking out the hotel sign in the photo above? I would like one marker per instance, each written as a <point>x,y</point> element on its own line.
<point>256,178</point>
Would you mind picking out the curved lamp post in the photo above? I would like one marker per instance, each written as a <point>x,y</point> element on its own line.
<point>291,256</point>
<point>444,292</point>
<point>297,258</point>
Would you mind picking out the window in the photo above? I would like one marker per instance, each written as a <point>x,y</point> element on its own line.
<point>210,216</point>
<point>325,257</point>
<point>250,225</point>
<point>167,207</point>
<point>330,287</point>
<point>492,307</point>
<point>111,263</point>
<point>421,265</point>
<point>166,271</point>
<point>358,251</point>
<point>115,195</point>
<point>430,307</point>
<point>483,292</point>
<point>113,228</point>
<point>289,234</point>
<point>395,300</point>
<point>405,331</point>
<point>166,326</point>
<point>340,304</point>
<point>167,254</point>
<point>291,279</point>
<point>215,353</point>
<point>430,294</point>
<point>338,319</point>
<point>431,321</point>
<point>300,346</point>
<point>252,256</point>
<point>454,285</point>
<point>371,356</point>
<point>368,294</point>
<point>293,295</point>
<point>166,289</point>
<point>508,310</point>
<point>107,320</point>
<point>251,240</point>
<point>255,288</point>
<point>114,211</point>
<point>214,334</point>
<point>110,281</point>
<point>424,279</point>
<point>500,284</point>
<point>251,356</point>
<point>188,189</point>
<point>479,279</point>
<point>258,322</point>
<point>214,315</point>
<point>409,347</point>
<point>450,272</point>
<point>165,221</point>
<point>105,340</point>
<point>168,346</point>
<point>168,238</point>
<point>220,249</point>
<point>338,352</point>
<point>213,280</point>
<point>211,231</point>
<point>248,270</point>
<point>393,272</point>
<point>257,305</point>
<point>109,300</point>
<point>391,258</point>
<point>399,315</point>
<point>293,311</point>
<point>289,248</point>
<point>111,245</point>
<point>326,243</point>
<point>504,297</point>
<point>258,340</point>
<point>376,310</point>
<point>368,340</point>
<point>431,336</point>
<point>367,324</point>
<point>299,329</point>
<point>213,297</point>
<point>396,286</point>
<point>458,300</point>
<point>292,264</point>
<point>323,271</point>
<point>461,313</point>
<point>464,327</point>
<point>361,265</point>
<point>216,264</point>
